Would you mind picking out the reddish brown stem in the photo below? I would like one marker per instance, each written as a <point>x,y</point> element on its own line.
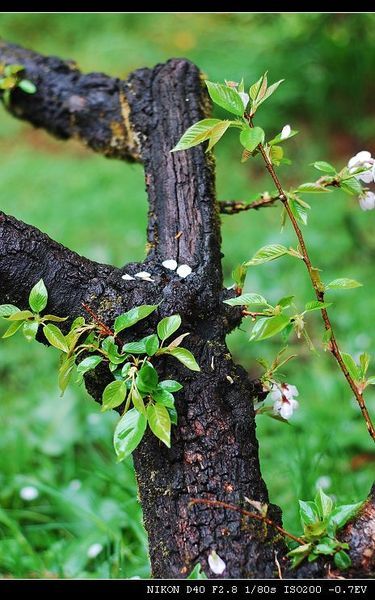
<point>233,207</point>
<point>246,513</point>
<point>333,346</point>
<point>103,327</point>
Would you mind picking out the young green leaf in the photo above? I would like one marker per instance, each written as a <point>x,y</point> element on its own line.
<point>364,361</point>
<point>38,297</point>
<point>114,394</point>
<point>12,329</point>
<point>30,329</point>
<point>128,433</point>
<point>285,302</point>
<point>239,275</point>
<point>278,139</point>
<point>342,514</point>
<point>266,254</point>
<point>196,134</point>
<point>137,400</point>
<point>268,327</point>
<point>251,137</point>
<point>324,166</point>
<point>307,513</point>
<point>6,310</point>
<point>197,573</point>
<point>89,363</point>
<point>276,154</point>
<point>167,326</point>
<point>226,97</point>
<point>323,503</point>
<point>65,372</point>
<point>170,385</point>
<point>312,188</point>
<point>217,133</point>
<point>21,315</point>
<point>54,318</point>
<point>246,300</point>
<point>269,91</point>
<point>163,397</point>
<point>185,357</point>
<point>55,337</point>
<point>316,305</point>
<point>151,344</point>
<point>27,86</point>
<point>133,316</point>
<point>343,284</point>
<point>147,379</point>
<point>160,422</point>
<point>350,364</point>
<point>342,560</point>
<point>351,186</point>
<point>299,211</point>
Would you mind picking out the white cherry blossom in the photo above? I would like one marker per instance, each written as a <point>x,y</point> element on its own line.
<point>216,564</point>
<point>285,132</point>
<point>364,160</point>
<point>367,201</point>
<point>282,396</point>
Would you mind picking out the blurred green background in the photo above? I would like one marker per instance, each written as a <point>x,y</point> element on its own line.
<point>81,517</point>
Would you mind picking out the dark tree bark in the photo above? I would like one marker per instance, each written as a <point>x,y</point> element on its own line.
<point>214,453</point>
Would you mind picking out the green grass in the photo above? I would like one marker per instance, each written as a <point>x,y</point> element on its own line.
<point>98,208</point>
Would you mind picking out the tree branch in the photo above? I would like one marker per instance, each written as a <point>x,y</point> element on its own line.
<point>233,207</point>
<point>69,104</point>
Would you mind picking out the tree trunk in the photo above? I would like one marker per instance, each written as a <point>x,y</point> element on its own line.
<point>214,453</point>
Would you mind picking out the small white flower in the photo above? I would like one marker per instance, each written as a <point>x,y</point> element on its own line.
<point>285,132</point>
<point>323,482</point>
<point>367,201</point>
<point>363,160</point>
<point>127,277</point>
<point>94,550</point>
<point>145,275</point>
<point>170,264</point>
<point>283,399</point>
<point>245,99</point>
<point>183,271</point>
<point>28,493</point>
<point>217,565</point>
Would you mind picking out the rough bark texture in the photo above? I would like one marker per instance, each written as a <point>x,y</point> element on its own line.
<point>214,452</point>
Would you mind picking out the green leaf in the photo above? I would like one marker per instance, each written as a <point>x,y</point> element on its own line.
<point>196,134</point>
<point>147,379</point>
<point>167,326</point>
<point>246,300</point>
<point>239,275</point>
<point>128,433</point>
<point>343,284</point>
<point>312,188</point>
<point>65,372</point>
<point>160,422</point>
<point>226,97</point>
<point>170,385</point>
<point>27,86</point>
<point>255,88</point>
<point>54,318</point>
<point>324,166</point>
<point>351,366</point>
<point>270,90</point>
<point>197,573</point>
<point>137,400</point>
<point>173,415</point>
<point>133,316</point>
<point>276,154</point>
<point>151,344</point>
<point>267,253</point>
<point>185,357</point>
<point>267,327</point>
<point>251,137</point>
<point>325,549</point>
<point>316,305</point>
<point>370,380</point>
<point>114,394</point>
<point>163,397</point>
<point>342,514</point>
<point>307,513</point>
<point>364,361</point>
<point>21,315</point>
<point>299,211</point>
<point>6,310</point>
<point>12,329</point>
<point>217,133</point>
<point>302,549</point>
<point>323,503</point>
<point>38,297</point>
<point>342,560</point>
<point>89,363</point>
<point>351,186</point>
<point>30,329</point>
<point>55,337</point>
<point>277,139</point>
<point>285,302</point>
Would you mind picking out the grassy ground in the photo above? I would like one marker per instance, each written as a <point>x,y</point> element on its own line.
<point>63,448</point>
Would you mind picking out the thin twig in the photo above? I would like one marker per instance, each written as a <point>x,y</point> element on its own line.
<point>333,345</point>
<point>104,328</point>
<point>233,207</point>
<point>246,513</point>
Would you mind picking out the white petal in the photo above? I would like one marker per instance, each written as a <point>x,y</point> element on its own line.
<point>285,133</point>
<point>94,550</point>
<point>183,270</point>
<point>29,492</point>
<point>353,163</point>
<point>290,391</point>
<point>363,156</point>
<point>245,98</point>
<point>170,264</point>
<point>143,275</point>
<point>367,201</point>
<point>217,565</point>
<point>275,396</point>
<point>366,176</point>
<point>127,277</point>
<point>286,410</point>
<point>277,405</point>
